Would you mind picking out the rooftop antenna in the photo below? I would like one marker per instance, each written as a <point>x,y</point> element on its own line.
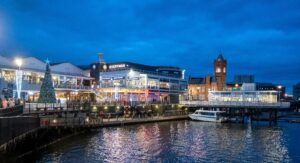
<point>100,57</point>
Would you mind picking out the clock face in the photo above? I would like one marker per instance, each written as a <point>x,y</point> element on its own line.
<point>104,67</point>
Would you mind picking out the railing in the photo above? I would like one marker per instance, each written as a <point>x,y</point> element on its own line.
<point>11,111</point>
<point>98,121</point>
<point>43,107</point>
<point>72,87</point>
<point>236,104</point>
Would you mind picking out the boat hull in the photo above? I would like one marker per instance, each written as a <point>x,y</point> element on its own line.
<point>206,119</point>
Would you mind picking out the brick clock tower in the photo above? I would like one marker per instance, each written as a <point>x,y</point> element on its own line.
<point>220,72</point>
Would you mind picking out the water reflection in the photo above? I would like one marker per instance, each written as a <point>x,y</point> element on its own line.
<point>182,141</point>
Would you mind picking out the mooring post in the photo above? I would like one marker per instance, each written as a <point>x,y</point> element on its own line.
<point>275,117</point>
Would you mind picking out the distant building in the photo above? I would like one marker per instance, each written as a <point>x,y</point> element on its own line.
<point>198,87</point>
<point>240,79</point>
<point>296,91</point>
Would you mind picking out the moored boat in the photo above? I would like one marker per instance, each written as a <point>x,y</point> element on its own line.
<point>208,116</point>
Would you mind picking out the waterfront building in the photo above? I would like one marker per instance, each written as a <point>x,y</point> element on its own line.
<point>272,87</point>
<point>240,79</point>
<point>70,82</point>
<point>247,93</point>
<point>296,91</point>
<point>128,82</point>
<point>198,87</point>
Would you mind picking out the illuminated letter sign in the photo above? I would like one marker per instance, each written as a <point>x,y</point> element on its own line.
<point>117,66</point>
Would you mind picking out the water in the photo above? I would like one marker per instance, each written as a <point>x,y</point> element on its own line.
<point>180,141</point>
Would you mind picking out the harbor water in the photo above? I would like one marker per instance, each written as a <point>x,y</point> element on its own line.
<point>179,141</point>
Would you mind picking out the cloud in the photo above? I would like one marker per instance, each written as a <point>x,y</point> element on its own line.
<point>261,38</point>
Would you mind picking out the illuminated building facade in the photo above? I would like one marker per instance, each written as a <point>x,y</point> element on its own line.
<point>247,93</point>
<point>198,88</point>
<point>127,82</point>
<point>70,82</point>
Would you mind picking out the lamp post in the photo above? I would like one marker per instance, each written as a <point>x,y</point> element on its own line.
<point>19,73</point>
<point>279,92</point>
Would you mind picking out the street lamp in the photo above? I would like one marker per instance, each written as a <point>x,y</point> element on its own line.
<point>279,87</point>
<point>19,62</point>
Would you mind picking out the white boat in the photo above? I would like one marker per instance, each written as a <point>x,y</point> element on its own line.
<point>208,116</point>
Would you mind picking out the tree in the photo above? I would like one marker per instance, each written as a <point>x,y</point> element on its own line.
<point>47,92</point>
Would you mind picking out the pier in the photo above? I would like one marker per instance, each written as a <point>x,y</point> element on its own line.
<point>240,110</point>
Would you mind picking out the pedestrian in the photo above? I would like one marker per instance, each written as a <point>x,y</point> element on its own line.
<point>4,103</point>
<point>11,103</point>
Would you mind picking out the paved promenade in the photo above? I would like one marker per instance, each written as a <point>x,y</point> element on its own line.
<point>103,122</point>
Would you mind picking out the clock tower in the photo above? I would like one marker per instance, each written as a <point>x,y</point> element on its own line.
<point>220,72</point>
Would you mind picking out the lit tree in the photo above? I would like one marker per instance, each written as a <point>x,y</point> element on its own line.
<point>47,92</point>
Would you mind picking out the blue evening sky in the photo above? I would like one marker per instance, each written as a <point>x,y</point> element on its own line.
<point>256,37</point>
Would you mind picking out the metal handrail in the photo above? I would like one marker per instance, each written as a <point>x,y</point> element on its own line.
<point>230,103</point>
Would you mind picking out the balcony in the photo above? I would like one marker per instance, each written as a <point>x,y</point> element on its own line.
<point>71,87</point>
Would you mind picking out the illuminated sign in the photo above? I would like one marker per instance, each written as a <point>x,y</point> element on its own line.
<point>117,66</point>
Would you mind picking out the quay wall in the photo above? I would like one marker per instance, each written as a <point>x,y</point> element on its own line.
<point>23,135</point>
<point>12,127</point>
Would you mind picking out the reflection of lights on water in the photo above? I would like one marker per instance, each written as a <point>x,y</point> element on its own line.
<point>192,140</point>
<point>87,119</point>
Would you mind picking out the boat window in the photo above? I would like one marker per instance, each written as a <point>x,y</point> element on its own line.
<point>208,113</point>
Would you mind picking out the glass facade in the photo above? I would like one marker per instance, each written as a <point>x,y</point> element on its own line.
<point>138,85</point>
<point>244,96</point>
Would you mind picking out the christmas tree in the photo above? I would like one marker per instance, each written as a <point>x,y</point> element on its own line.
<point>47,92</point>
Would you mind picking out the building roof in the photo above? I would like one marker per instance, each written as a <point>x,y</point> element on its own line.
<point>193,80</point>
<point>199,80</point>
<point>34,64</point>
<point>145,67</point>
<point>220,57</point>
